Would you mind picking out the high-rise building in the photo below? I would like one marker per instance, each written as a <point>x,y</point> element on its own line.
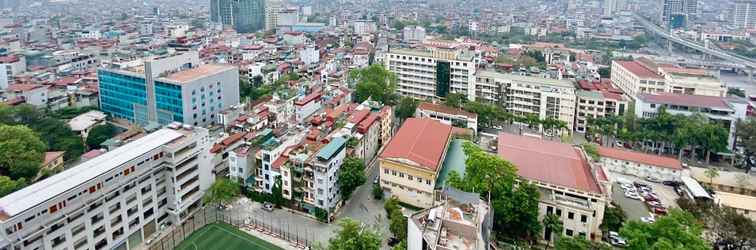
<point>613,6</point>
<point>744,15</point>
<point>272,9</point>
<point>170,89</point>
<point>114,201</point>
<point>245,16</point>
<point>676,13</point>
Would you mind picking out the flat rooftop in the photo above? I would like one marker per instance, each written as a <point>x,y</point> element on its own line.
<point>42,191</point>
<point>699,101</point>
<point>198,72</point>
<point>527,79</point>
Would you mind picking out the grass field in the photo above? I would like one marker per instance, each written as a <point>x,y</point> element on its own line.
<point>219,236</point>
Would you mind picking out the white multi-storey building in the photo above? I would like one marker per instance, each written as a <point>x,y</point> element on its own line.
<point>526,95</point>
<point>272,8</point>
<point>326,165</point>
<point>432,73</point>
<point>115,200</point>
<point>720,110</point>
<point>413,34</point>
<point>744,14</point>
<point>309,54</point>
<point>633,78</point>
<point>646,77</point>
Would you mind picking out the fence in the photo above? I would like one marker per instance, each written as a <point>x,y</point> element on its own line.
<point>173,236</point>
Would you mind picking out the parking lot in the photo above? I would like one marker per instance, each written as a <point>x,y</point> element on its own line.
<point>635,209</point>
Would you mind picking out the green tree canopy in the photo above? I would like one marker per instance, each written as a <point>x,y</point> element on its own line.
<point>100,134</point>
<point>614,217</point>
<point>676,230</point>
<point>375,82</point>
<point>455,100</point>
<point>222,191</point>
<point>406,108</point>
<point>351,175</point>
<point>21,152</point>
<point>352,235</point>
<point>7,185</point>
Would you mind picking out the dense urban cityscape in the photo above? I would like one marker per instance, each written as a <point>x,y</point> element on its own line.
<point>377,124</point>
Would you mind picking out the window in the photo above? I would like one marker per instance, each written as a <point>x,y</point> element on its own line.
<point>427,182</point>
<point>570,215</point>
<point>569,232</point>
<point>401,174</point>
<point>583,218</point>
<point>410,177</point>
<point>385,171</point>
<point>549,209</point>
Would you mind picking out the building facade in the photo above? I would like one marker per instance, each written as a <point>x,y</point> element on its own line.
<point>571,186</point>
<point>447,115</point>
<point>527,95</point>
<point>410,163</point>
<point>744,14</point>
<point>174,89</point>
<point>424,74</point>
<point>116,200</point>
<point>720,110</point>
<point>245,16</point>
<point>640,164</point>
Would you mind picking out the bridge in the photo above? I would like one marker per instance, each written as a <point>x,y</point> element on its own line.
<point>737,59</point>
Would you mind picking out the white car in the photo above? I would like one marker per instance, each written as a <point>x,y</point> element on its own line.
<point>633,196</point>
<point>648,219</point>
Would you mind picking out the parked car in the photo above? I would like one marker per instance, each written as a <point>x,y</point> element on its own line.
<point>267,206</point>
<point>660,210</point>
<point>653,203</point>
<point>633,196</point>
<point>653,179</point>
<point>618,242</point>
<point>648,219</point>
<point>375,181</point>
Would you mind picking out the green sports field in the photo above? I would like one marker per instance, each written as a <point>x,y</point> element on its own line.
<point>220,236</point>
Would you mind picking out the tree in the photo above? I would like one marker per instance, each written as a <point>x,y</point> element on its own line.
<point>736,92</point>
<point>677,230</point>
<point>7,185</point>
<point>352,235</point>
<point>455,100</point>
<point>277,192</point>
<point>592,151</point>
<point>731,227</point>
<point>21,152</point>
<point>375,82</point>
<point>711,173</point>
<point>222,191</point>
<point>746,132</point>
<point>377,192</point>
<point>351,175</point>
<point>100,134</point>
<point>397,221</point>
<point>515,203</point>
<point>553,224</point>
<point>406,108</point>
<point>614,217</point>
<point>605,72</point>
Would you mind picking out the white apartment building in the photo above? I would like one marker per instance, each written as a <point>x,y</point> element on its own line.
<point>646,77</point>
<point>270,159</point>
<point>325,169</point>
<point>634,78</point>
<point>721,110</point>
<point>598,99</point>
<point>571,187</point>
<point>640,164</point>
<point>364,27</point>
<point>115,200</point>
<point>432,73</point>
<point>309,54</point>
<point>524,95</point>
<point>306,106</point>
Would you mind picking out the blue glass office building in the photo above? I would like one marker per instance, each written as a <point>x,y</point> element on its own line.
<point>123,96</point>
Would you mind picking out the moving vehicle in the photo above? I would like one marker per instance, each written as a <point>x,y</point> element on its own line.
<point>648,219</point>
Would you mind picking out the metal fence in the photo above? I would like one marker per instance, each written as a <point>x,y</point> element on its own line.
<point>173,236</point>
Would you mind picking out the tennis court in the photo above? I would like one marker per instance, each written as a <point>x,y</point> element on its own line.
<point>220,236</point>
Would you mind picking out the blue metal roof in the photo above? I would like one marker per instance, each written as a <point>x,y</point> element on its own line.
<point>327,152</point>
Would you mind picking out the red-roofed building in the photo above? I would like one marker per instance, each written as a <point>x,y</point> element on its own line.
<point>570,186</point>
<point>640,164</point>
<point>635,78</point>
<point>411,162</point>
<point>448,115</point>
<point>306,106</point>
<point>34,94</point>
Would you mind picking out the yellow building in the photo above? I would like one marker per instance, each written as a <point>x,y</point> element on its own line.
<point>412,161</point>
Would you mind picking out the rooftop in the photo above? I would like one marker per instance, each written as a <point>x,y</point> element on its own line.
<point>419,142</point>
<point>648,159</point>
<point>439,108</point>
<point>528,79</point>
<point>639,70</point>
<point>738,201</point>
<point>86,120</point>
<point>51,156</point>
<point>698,101</point>
<point>327,152</point>
<point>548,161</point>
<point>202,71</point>
<point>44,190</point>
<point>454,161</point>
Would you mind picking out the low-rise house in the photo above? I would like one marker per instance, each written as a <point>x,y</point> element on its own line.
<point>640,164</point>
<point>571,187</point>
<point>448,115</point>
<point>84,123</point>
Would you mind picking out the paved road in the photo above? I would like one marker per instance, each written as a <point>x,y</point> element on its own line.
<point>634,209</point>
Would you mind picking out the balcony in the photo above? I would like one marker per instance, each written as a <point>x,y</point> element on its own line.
<point>97,232</point>
<point>189,182</point>
<point>187,172</point>
<point>132,211</point>
<point>77,230</point>
<point>190,193</point>
<point>97,218</point>
<point>116,221</point>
